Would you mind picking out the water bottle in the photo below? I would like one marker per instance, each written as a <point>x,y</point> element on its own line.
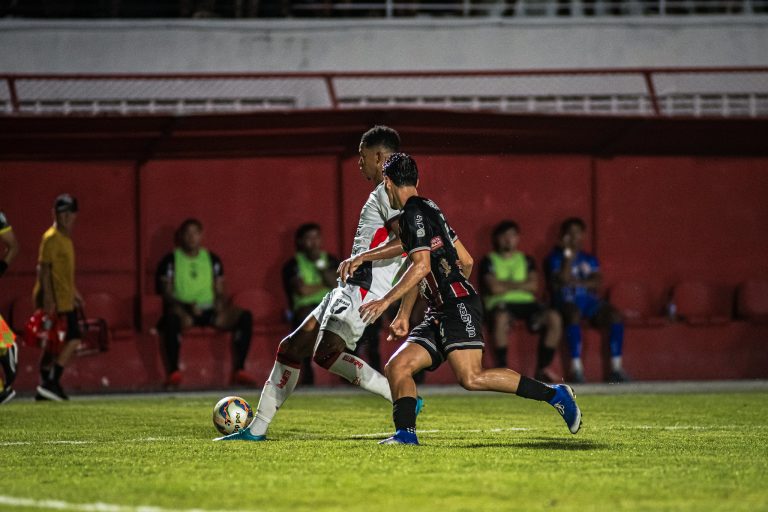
<point>671,311</point>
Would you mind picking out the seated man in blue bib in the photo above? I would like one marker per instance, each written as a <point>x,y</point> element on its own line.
<point>191,282</point>
<point>575,280</point>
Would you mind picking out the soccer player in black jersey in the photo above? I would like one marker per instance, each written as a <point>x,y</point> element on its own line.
<point>452,327</point>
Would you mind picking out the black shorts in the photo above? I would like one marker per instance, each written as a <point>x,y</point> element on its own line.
<point>458,326</point>
<point>73,325</point>
<point>206,318</point>
<point>531,312</point>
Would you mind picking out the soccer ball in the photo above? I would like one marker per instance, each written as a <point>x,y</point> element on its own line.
<point>231,414</point>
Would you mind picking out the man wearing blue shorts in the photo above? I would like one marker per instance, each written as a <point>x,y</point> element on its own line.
<point>575,279</point>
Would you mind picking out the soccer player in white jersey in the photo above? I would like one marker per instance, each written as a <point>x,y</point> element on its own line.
<point>332,330</point>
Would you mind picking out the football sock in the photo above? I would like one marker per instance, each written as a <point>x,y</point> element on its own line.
<point>359,373</point>
<point>616,363</point>
<point>170,329</point>
<point>576,366</point>
<point>501,356</point>
<point>545,355</point>
<point>573,336</point>
<point>241,339</point>
<point>616,339</point>
<point>404,414</point>
<point>281,383</point>
<point>535,390</point>
<point>56,373</point>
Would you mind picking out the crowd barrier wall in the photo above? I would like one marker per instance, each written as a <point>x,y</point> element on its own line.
<point>658,220</point>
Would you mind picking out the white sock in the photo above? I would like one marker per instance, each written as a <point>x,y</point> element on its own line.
<point>616,363</point>
<point>281,383</point>
<point>359,373</point>
<point>576,366</point>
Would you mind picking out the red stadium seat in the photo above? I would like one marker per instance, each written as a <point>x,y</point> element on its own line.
<point>267,309</point>
<point>117,314</point>
<point>633,301</point>
<point>701,303</point>
<point>752,302</point>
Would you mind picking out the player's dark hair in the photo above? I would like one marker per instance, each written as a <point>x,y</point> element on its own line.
<point>303,230</point>
<point>501,228</point>
<point>401,169</point>
<point>381,135</point>
<point>572,221</point>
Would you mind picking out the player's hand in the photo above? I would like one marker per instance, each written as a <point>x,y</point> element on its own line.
<point>347,268</point>
<point>370,311</point>
<point>398,329</point>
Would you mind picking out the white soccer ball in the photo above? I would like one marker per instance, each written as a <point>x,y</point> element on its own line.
<point>231,414</point>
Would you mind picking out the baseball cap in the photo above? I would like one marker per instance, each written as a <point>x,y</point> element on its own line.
<point>65,203</point>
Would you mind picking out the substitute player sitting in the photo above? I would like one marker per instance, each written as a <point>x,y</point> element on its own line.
<point>452,327</point>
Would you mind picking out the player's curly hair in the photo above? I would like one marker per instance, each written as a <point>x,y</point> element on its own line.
<point>381,135</point>
<point>401,169</point>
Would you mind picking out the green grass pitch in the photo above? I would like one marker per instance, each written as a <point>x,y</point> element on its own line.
<point>480,452</point>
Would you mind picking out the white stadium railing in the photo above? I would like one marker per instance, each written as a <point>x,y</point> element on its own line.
<point>691,92</point>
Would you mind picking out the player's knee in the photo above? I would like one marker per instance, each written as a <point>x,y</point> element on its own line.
<point>325,357</point>
<point>396,369</point>
<point>470,381</point>
<point>552,320</point>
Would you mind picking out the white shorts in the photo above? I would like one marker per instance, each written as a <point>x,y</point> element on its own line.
<point>338,313</point>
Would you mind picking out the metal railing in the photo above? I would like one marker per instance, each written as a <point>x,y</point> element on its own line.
<point>691,92</point>
<point>382,8</point>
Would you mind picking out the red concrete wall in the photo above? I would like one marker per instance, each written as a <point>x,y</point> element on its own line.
<point>662,220</point>
<point>250,209</point>
<point>658,220</point>
<point>104,235</point>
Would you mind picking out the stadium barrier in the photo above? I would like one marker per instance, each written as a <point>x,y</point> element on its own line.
<point>740,92</point>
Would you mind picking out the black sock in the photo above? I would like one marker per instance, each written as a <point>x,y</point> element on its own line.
<point>546,355</point>
<point>535,390</point>
<point>57,371</point>
<point>501,356</point>
<point>170,332</point>
<point>404,413</point>
<point>241,340</point>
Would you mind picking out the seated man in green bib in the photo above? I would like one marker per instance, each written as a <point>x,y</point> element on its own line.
<point>191,282</point>
<point>509,283</point>
<point>307,277</point>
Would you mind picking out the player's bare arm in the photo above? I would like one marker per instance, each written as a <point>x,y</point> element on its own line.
<point>418,269</point>
<point>347,267</point>
<point>465,259</point>
<point>46,285</point>
<point>399,326</point>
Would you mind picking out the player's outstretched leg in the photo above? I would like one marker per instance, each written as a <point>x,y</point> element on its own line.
<point>281,382</point>
<point>330,355</point>
<point>467,366</point>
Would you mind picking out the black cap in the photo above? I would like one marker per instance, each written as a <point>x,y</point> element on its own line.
<point>65,203</point>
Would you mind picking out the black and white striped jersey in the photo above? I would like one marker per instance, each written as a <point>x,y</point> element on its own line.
<point>423,228</point>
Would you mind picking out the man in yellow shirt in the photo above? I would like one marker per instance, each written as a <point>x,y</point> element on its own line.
<point>8,350</point>
<point>55,293</point>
